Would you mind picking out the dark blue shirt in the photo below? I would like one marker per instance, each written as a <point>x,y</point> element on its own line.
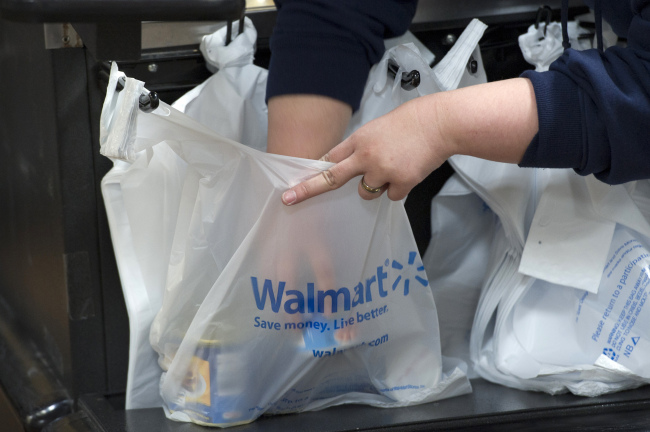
<point>594,107</point>
<point>327,47</point>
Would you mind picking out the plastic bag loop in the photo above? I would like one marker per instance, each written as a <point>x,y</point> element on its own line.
<point>148,102</point>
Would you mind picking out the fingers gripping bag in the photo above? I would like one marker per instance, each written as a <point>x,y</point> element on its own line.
<point>273,309</point>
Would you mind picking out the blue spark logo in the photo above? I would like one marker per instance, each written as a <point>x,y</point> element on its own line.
<point>407,281</point>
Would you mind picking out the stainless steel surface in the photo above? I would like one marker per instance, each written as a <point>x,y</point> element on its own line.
<point>61,35</point>
<point>157,34</point>
<point>259,4</point>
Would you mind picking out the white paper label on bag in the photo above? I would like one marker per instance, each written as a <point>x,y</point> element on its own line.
<point>616,320</point>
<point>569,327</point>
<point>568,240</point>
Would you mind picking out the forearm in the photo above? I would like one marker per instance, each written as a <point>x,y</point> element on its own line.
<point>494,121</point>
<point>306,126</point>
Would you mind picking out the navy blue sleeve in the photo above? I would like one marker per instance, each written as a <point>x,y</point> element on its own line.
<point>617,13</point>
<point>327,47</point>
<point>594,108</point>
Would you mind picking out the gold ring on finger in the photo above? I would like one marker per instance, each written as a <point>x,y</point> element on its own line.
<point>369,188</point>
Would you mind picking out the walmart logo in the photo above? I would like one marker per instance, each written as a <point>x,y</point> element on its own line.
<point>407,282</point>
<point>312,300</point>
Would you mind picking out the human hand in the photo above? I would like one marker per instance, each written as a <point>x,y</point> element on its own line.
<point>393,153</point>
<point>494,121</point>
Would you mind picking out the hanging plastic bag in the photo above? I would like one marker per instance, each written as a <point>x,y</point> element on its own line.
<point>381,94</point>
<point>508,191</point>
<point>232,101</point>
<point>168,187</point>
<point>456,261</point>
<point>613,322</point>
<point>462,225</point>
<point>541,45</point>
<point>602,320</point>
<point>271,309</point>
<point>535,335</point>
<point>135,194</point>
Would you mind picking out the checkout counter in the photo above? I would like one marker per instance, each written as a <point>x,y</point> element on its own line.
<point>63,322</point>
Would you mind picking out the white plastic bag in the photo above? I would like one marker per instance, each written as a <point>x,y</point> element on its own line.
<point>381,94</point>
<point>136,194</point>
<point>541,45</point>
<point>151,188</point>
<point>509,192</point>
<point>271,309</point>
<point>602,321</point>
<point>169,188</point>
<point>614,322</point>
<point>232,101</point>
<point>535,335</point>
<point>456,261</point>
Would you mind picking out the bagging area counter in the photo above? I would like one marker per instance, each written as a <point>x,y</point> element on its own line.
<point>64,329</point>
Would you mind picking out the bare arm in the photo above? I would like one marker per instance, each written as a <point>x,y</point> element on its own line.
<point>494,121</point>
<point>306,126</point>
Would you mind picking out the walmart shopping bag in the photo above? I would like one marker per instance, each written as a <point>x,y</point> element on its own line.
<point>154,181</point>
<point>266,308</point>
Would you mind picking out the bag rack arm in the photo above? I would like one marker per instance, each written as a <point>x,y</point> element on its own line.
<point>410,80</point>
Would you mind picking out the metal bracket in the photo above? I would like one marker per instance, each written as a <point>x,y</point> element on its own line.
<point>410,80</point>
<point>61,35</point>
<point>472,65</point>
<point>546,13</point>
<point>148,101</point>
